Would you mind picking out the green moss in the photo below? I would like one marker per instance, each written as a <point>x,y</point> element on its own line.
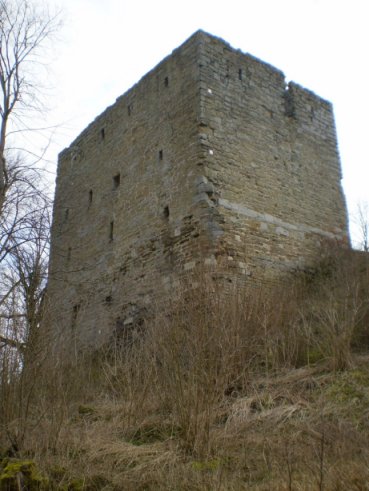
<point>352,386</point>
<point>93,483</point>
<point>151,434</point>
<point>57,472</point>
<point>14,472</point>
<point>360,376</point>
<point>314,356</point>
<point>207,465</point>
<point>84,410</point>
<point>146,435</point>
<point>97,482</point>
<point>350,391</point>
<point>75,485</point>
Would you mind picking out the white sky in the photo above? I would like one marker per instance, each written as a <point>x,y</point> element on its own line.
<point>108,45</point>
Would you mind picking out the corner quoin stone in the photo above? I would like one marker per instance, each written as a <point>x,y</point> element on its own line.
<point>209,160</point>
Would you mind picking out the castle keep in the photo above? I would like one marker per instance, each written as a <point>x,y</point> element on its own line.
<point>210,160</point>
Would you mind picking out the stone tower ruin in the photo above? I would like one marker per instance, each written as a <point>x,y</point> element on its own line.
<point>209,160</point>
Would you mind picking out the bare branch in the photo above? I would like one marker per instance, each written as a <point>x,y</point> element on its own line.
<point>361,222</point>
<point>25,29</point>
<point>13,343</point>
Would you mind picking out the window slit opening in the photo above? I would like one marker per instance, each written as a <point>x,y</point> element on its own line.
<point>116,181</point>
<point>76,309</point>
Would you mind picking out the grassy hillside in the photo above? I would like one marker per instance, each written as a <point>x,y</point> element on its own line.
<point>262,390</point>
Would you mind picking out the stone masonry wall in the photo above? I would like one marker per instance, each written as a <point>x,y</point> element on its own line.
<point>124,190</point>
<point>209,160</point>
<point>272,161</point>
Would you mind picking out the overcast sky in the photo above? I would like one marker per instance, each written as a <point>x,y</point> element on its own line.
<point>106,46</point>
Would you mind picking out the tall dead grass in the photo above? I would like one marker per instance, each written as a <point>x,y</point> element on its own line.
<point>214,391</point>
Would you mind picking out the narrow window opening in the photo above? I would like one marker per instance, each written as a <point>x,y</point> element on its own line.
<point>289,102</point>
<point>69,253</point>
<point>240,74</point>
<point>160,154</point>
<point>90,195</point>
<point>76,309</point>
<point>166,212</point>
<point>108,299</point>
<point>102,133</point>
<point>66,214</point>
<point>129,109</point>
<point>111,231</point>
<point>166,82</point>
<point>116,181</point>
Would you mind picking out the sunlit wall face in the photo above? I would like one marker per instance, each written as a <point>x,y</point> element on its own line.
<point>105,47</point>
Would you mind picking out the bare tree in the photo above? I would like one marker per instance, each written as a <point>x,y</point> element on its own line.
<point>25,29</point>
<point>24,32</point>
<point>24,243</point>
<point>361,222</point>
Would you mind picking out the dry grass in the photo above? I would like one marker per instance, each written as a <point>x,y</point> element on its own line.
<point>262,391</point>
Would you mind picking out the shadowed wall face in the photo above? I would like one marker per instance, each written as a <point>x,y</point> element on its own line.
<point>209,160</point>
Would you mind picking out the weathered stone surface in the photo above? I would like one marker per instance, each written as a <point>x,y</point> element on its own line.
<point>209,159</point>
